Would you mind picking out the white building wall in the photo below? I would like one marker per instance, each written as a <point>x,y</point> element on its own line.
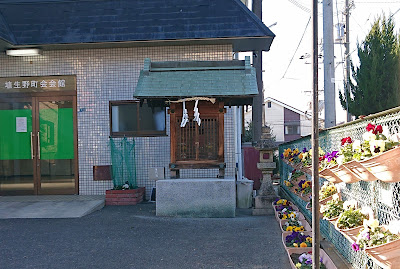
<point>305,125</point>
<point>274,117</point>
<point>112,74</point>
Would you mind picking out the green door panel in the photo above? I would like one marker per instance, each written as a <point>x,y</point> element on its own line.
<point>56,134</point>
<point>15,145</point>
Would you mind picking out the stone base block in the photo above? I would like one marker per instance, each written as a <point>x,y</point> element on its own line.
<point>263,205</point>
<point>197,198</point>
<point>262,211</point>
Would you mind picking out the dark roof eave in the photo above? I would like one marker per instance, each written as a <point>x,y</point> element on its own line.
<point>241,100</point>
<point>238,44</point>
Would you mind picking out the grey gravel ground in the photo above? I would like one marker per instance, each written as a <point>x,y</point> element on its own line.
<point>133,237</point>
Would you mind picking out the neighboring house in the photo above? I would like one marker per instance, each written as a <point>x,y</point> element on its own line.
<point>58,108</point>
<point>287,123</point>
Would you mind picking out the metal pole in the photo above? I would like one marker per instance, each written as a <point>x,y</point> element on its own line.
<point>314,142</point>
<point>329,65</point>
<point>259,99</point>
<point>347,56</point>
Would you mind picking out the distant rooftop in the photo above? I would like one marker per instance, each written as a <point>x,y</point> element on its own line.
<point>56,24</point>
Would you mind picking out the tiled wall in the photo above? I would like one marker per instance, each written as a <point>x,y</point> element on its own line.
<point>112,74</point>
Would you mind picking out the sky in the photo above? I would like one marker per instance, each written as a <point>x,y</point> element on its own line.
<point>288,78</point>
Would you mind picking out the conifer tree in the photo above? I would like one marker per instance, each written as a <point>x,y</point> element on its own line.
<point>375,83</point>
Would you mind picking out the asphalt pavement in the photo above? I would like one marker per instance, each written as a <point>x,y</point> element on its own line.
<point>133,237</point>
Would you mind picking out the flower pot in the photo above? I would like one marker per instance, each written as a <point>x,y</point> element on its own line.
<point>360,171</point>
<point>350,234</point>
<point>386,255</point>
<point>299,216</point>
<point>386,166</point>
<point>307,227</point>
<point>325,258</point>
<point>295,208</point>
<point>344,174</point>
<point>306,169</point>
<point>284,234</point>
<point>125,197</point>
<point>329,175</point>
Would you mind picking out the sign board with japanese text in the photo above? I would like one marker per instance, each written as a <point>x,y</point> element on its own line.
<point>37,84</point>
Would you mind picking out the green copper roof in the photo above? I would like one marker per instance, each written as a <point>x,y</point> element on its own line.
<point>197,78</point>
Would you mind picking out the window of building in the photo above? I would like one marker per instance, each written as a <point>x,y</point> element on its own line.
<point>292,129</point>
<point>269,104</point>
<point>129,118</point>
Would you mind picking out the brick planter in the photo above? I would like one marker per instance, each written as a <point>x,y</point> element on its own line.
<point>124,197</point>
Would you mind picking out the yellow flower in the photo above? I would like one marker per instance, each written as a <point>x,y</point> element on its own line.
<point>301,156</point>
<point>291,160</point>
<point>289,229</point>
<point>295,245</point>
<point>309,239</point>
<point>298,265</point>
<point>286,152</point>
<point>284,217</point>
<point>302,228</point>
<point>303,245</point>
<point>298,229</point>
<point>295,151</point>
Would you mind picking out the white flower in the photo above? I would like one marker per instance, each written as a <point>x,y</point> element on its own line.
<point>340,159</point>
<point>284,210</point>
<point>369,136</point>
<point>335,196</point>
<point>394,137</point>
<point>301,224</point>
<point>350,204</point>
<point>377,144</point>
<point>394,226</point>
<point>356,145</point>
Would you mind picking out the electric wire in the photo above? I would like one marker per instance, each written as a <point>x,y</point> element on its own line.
<point>298,45</point>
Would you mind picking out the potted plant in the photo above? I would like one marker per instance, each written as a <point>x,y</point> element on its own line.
<point>125,194</point>
<point>326,192</point>
<point>332,209</point>
<point>346,153</point>
<point>350,221</point>
<point>326,162</point>
<point>294,224</point>
<point>303,189</point>
<point>287,214</point>
<point>380,155</point>
<point>301,258</point>
<point>297,239</point>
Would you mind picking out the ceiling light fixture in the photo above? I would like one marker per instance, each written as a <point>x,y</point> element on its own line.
<point>23,52</point>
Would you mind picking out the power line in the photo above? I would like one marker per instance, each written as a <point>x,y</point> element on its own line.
<point>298,45</point>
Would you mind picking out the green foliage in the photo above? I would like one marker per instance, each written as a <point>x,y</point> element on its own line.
<point>350,219</point>
<point>332,209</point>
<point>376,81</point>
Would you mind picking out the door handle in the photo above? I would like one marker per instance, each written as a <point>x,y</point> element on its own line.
<point>32,155</point>
<point>38,141</point>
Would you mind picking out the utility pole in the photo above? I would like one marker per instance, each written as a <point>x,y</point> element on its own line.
<point>329,65</point>
<point>347,57</point>
<point>257,109</point>
<point>315,142</point>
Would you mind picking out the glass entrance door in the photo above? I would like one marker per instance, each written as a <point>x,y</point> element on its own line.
<point>38,146</point>
<point>56,146</point>
<point>17,170</point>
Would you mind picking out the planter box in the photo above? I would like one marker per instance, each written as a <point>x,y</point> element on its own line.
<point>344,174</point>
<point>386,255</point>
<point>307,227</point>
<point>299,216</point>
<point>125,197</point>
<point>284,234</point>
<point>360,171</point>
<point>325,258</point>
<point>385,166</point>
<point>350,234</point>
<point>329,175</point>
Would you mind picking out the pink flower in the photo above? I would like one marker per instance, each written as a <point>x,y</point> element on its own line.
<point>355,246</point>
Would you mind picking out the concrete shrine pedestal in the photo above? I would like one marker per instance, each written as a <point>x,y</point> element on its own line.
<point>197,198</point>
